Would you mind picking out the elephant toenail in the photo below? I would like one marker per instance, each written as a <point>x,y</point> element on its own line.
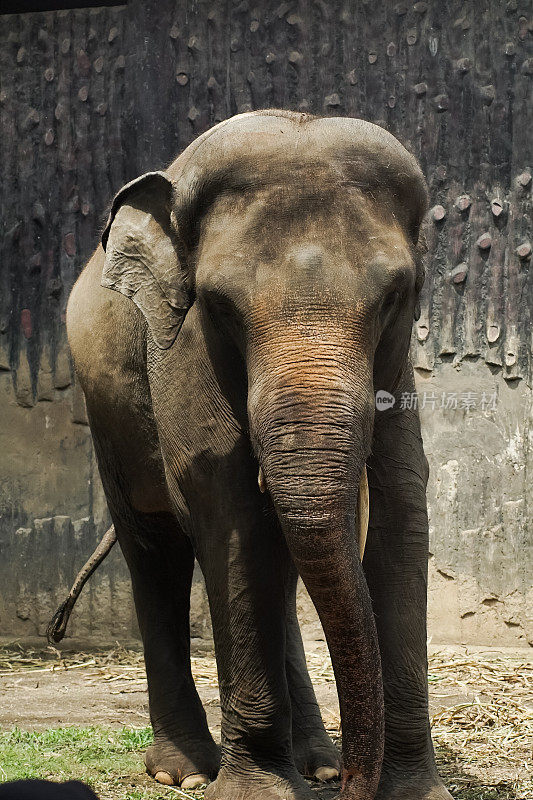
<point>165,778</point>
<point>326,774</point>
<point>194,781</point>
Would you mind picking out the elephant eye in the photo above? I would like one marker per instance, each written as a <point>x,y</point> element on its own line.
<point>389,307</point>
<point>223,312</point>
<point>216,303</point>
<point>391,301</point>
<point>228,314</point>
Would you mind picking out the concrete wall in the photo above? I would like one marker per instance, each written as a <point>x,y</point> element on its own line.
<point>480,495</point>
<point>480,499</point>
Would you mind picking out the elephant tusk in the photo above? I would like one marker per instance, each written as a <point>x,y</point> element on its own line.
<point>363,510</point>
<point>261,481</point>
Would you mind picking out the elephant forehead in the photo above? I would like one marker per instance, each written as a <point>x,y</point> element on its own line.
<point>269,147</point>
<point>302,222</point>
<point>290,135</point>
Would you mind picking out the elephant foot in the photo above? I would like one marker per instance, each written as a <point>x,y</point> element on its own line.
<point>316,757</point>
<point>411,786</point>
<point>166,761</point>
<point>252,784</point>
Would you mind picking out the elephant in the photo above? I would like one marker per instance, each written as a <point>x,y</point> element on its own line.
<point>229,335</point>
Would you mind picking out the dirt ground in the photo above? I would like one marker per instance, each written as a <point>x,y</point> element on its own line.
<point>481,705</point>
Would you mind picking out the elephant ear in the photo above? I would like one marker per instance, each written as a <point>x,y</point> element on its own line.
<point>142,255</point>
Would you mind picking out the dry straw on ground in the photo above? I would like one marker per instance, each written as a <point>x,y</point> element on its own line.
<point>482,725</point>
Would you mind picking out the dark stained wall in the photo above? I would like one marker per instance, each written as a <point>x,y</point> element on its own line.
<point>90,98</point>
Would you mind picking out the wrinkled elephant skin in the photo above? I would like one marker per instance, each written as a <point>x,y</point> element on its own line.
<point>229,336</point>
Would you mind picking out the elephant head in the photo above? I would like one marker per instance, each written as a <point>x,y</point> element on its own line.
<point>296,236</point>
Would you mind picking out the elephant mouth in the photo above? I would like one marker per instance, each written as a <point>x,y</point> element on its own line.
<point>363,506</point>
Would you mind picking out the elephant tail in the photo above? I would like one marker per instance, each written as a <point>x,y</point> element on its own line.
<point>58,624</point>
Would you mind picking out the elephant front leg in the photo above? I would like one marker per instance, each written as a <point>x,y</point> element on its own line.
<point>395,565</point>
<point>246,571</point>
<point>314,753</point>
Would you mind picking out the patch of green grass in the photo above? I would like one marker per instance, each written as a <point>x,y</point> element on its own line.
<point>108,760</point>
<point>60,752</point>
<point>97,756</point>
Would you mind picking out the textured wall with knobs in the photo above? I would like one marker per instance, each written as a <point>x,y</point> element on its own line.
<point>90,98</point>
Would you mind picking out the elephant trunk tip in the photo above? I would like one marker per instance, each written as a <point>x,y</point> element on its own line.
<point>355,786</point>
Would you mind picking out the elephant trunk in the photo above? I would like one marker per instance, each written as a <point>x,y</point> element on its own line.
<point>311,425</point>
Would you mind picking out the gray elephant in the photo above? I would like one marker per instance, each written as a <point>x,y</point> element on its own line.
<point>264,287</point>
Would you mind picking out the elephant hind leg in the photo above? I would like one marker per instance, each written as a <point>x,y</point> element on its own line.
<point>161,562</point>
<point>160,558</point>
